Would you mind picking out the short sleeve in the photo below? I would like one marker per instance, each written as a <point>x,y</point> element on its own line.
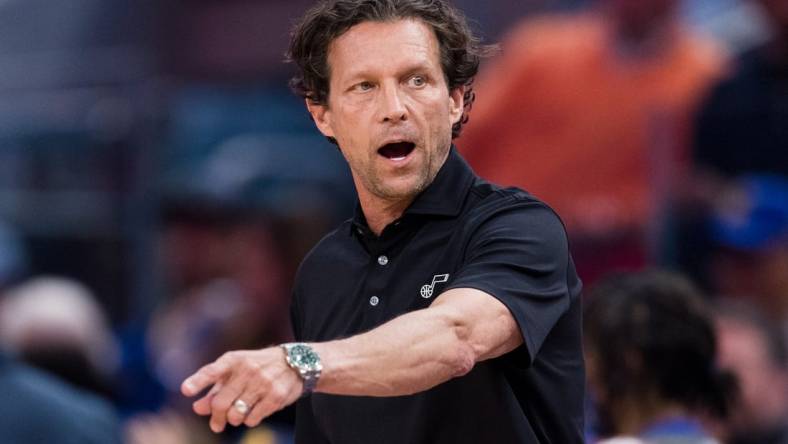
<point>519,255</point>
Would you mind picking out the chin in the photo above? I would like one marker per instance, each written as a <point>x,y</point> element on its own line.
<point>402,189</point>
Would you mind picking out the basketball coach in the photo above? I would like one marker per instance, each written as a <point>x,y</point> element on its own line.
<point>447,309</point>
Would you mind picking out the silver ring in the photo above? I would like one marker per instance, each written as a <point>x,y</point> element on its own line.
<point>241,406</point>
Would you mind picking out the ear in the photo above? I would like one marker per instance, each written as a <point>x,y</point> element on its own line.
<point>322,117</point>
<point>456,103</point>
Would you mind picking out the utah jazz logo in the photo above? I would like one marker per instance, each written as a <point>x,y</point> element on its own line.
<point>427,289</point>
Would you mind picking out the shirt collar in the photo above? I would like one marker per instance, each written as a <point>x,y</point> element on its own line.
<point>446,194</point>
<point>443,197</point>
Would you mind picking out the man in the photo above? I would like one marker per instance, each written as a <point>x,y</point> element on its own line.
<point>58,325</point>
<point>447,310</point>
<point>651,350</point>
<point>741,126</point>
<point>740,132</point>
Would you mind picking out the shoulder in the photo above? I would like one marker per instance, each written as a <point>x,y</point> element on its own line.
<point>326,251</point>
<point>328,244</point>
<point>494,201</point>
<point>41,398</point>
<point>516,217</point>
<point>36,386</point>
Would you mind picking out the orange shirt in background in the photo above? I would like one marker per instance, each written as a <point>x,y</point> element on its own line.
<point>591,133</point>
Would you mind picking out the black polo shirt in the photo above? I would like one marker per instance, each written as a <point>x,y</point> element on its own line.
<point>461,232</point>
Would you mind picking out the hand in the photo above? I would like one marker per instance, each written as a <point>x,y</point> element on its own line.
<point>260,378</point>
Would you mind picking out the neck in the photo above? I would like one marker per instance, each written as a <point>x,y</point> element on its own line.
<point>381,212</point>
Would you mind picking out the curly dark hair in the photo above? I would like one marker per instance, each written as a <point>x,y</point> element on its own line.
<point>460,50</point>
<point>653,330</point>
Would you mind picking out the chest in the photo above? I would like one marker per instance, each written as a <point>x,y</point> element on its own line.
<point>363,285</point>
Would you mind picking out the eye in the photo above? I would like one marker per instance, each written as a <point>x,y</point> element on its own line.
<point>417,81</point>
<point>363,86</point>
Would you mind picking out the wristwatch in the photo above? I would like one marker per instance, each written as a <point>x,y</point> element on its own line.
<point>306,362</point>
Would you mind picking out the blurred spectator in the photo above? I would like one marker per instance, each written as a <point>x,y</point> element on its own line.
<point>36,408</point>
<point>225,275</point>
<point>742,129</point>
<point>228,284</point>
<point>749,234</point>
<point>234,225</point>
<point>743,124</point>
<point>651,354</point>
<point>589,112</point>
<point>754,348</point>
<point>56,325</point>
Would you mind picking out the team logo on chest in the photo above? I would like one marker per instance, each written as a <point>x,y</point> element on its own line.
<point>427,289</point>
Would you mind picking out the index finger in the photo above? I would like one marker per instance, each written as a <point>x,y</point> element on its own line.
<point>202,378</point>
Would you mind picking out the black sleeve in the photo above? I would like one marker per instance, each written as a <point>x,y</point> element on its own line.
<point>519,255</point>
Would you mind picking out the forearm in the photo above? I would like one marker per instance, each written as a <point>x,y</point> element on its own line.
<point>415,351</point>
<point>409,354</point>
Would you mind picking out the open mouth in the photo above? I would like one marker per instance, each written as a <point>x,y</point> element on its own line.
<point>396,150</point>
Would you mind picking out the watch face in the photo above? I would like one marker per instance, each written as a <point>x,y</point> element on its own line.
<point>302,356</point>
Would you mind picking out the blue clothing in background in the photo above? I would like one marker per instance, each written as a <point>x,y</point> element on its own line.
<point>36,408</point>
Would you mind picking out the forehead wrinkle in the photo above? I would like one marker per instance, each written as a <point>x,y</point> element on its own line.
<point>420,54</point>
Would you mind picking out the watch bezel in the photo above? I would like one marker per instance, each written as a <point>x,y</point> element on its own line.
<point>299,349</point>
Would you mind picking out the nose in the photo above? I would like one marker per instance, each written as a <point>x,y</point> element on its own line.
<point>392,107</point>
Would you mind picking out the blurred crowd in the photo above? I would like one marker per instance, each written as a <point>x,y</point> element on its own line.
<point>159,186</point>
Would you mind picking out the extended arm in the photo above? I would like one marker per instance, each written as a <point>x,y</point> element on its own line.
<point>409,354</point>
<point>421,349</point>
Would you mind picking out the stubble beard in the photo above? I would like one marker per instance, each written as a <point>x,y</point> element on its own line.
<point>425,175</point>
<point>378,186</point>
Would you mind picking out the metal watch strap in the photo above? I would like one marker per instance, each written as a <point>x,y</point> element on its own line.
<point>310,382</point>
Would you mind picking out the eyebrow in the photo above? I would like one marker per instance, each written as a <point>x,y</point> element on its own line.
<point>409,69</point>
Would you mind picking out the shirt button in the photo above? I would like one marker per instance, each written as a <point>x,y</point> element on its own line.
<point>383,260</point>
<point>374,301</point>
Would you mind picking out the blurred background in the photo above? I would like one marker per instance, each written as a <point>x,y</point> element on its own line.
<point>159,183</point>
